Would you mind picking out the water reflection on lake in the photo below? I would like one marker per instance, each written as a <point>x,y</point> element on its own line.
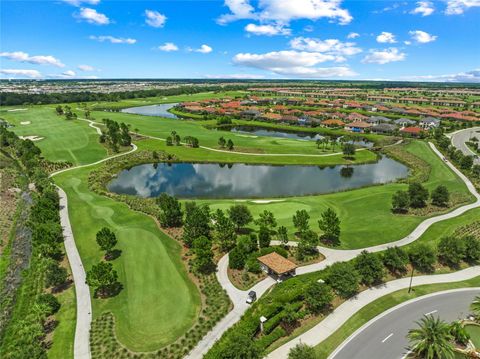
<point>153,110</point>
<point>194,180</point>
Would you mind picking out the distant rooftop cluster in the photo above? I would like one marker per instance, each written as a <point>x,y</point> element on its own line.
<point>97,86</point>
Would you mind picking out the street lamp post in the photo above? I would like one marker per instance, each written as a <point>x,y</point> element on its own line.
<point>411,279</point>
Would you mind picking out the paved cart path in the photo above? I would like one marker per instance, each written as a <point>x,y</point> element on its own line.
<point>238,297</point>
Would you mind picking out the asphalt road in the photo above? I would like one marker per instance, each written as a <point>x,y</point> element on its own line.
<point>386,338</point>
<point>459,139</point>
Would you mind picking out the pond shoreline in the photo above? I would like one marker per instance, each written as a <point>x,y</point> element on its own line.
<point>193,180</point>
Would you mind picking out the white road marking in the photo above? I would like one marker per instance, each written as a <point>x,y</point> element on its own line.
<point>407,354</point>
<point>432,312</point>
<point>388,337</point>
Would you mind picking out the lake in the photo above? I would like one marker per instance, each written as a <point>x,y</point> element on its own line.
<point>199,180</point>
<point>296,135</point>
<point>153,110</point>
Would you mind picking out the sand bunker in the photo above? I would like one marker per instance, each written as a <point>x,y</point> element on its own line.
<point>17,109</point>
<point>264,201</point>
<point>248,136</point>
<point>31,138</point>
<point>25,122</point>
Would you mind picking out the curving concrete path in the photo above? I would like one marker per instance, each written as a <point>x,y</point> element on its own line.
<point>81,347</point>
<point>342,313</point>
<point>238,296</point>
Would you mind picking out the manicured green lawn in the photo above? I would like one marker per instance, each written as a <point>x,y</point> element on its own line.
<point>169,99</point>
<point>188,154</point>
<point>64,334</point>
<point>474,331</point>
<point>377,307</point>
<point>162,127</point>
<point>64,140</point>
<point>366,219</point>
<point>158,302</point>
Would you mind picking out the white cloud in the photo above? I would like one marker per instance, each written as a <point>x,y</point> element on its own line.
<point>406,42</point>
<point>472,76</point>
<point>80,2</point>
<point>86,68</point>
<point>386,37</point>
<point>389,8</point>
<point>69,73</point>
<point>236,76</point>
<point>293,63</point>
<point>113,40</point>
<point>384,56</point>
<point>330,46</point>
<point>154,18</point>
<point>21,56</point>
<point>268,30</point>
<point>240,9</point>
<point>92,16</point>
<point>424,8</point>
<point>284,11</point>
<point>457,7</point>
<point>34,74</point>
<point>168,47</point>
<point>353,35</point>
<point>422,37</point>
<point>204,49</point>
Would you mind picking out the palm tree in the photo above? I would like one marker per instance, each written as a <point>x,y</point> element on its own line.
<point>475,307</point>
<point>432,339</point>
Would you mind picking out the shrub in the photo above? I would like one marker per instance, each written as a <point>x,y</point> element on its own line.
<point>318,297</point>
<point>252,265</point>
<point>302,351</point>
<point>344,279</point>
<point>417,195</point>
<point>400,202</point>
<point>265,341</point>
<point>370,268</point>
<point>423,257</point>
<point>49,302</point>
<point>396,260</point>
<point>472,249</point>
<point>55,275</point>
<point>237,258</point>
<point>440,196</point>
<point>451,250</point>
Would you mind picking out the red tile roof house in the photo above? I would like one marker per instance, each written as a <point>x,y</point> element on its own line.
<point>333,123</point>
<point>357,126</point>
<point>412,131</point>
<point>356,117</point>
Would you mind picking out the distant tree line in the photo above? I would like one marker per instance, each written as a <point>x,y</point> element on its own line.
<point>13,99</point>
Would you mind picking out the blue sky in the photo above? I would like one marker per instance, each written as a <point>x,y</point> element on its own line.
<point>322,39</point>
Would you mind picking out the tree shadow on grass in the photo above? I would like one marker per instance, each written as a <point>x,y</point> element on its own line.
<point>108,291</point>
<point>113,254</point>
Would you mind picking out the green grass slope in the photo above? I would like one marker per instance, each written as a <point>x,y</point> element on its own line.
<point>63,140</point>
<point>158,302</point>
